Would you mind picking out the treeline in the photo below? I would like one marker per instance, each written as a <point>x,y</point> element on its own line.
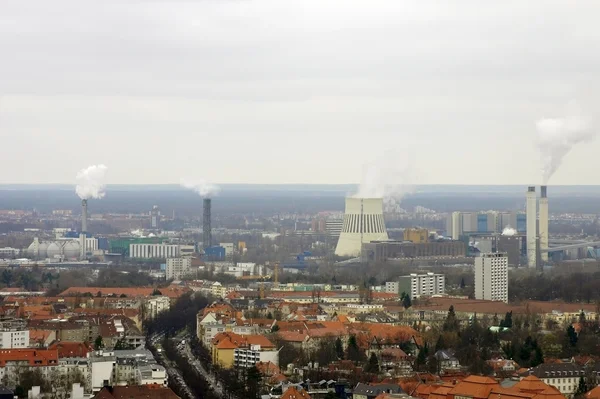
<point>181,315</point>
<point>575,287</point>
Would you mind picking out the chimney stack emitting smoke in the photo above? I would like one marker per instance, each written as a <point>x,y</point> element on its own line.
<point>543,223</point>
<point>206,228</point>
<point>531,209</point>
<point>84,215</point>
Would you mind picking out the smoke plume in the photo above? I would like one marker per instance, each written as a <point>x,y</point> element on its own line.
<point>90,182</point>
<point>389,177</point>
<point>509,231</point>
<point>557,136</point>
<point>202,187</point>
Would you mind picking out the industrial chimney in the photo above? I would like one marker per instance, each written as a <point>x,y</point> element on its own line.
<point>363,223</point>
<point>82,234</point>
<point>207,232</point>
<point>531,209</point>
<point>543,224</point>
<point>84,215</point>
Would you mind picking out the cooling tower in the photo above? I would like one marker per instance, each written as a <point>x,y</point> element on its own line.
<point>531,209</point>
<point>543,223</point>
<point>207,231</point>
<point>363,222</point>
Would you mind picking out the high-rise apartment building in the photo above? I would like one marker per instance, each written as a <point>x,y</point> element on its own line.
<point>491,277</point>
<point>178,267</point>
<point>417,285</point>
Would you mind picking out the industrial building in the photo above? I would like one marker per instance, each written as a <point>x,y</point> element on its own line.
<point>416,235</point>
<point>513,245</point>
<point>377,251</point>
<point>160,251</point>
<point>417,285</point>
<point>463,223</point>
<point>363,223</point>
<point>491,277</point>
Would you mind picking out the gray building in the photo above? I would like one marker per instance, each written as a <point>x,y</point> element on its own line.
<point>417,285</point>
<point>491,277</point>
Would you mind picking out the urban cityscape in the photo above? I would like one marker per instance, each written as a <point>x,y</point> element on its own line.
<point>299,200</point>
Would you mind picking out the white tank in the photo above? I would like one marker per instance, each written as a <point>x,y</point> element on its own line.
<point>71,250</point>
<point>53,250</point>
<point>363,223</point>
<point>43,250</point>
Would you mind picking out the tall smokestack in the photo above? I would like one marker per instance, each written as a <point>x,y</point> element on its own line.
<point>543,223</point>
<point>207,232</point>
<point>84,215</point>
<point>531,208</point>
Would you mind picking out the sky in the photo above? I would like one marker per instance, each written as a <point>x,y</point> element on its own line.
<point>244,91</point>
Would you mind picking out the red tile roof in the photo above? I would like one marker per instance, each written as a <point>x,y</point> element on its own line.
<point>71,349</point>
<point>136,392</point>
<point>35,357</point>
<point>293,393</point>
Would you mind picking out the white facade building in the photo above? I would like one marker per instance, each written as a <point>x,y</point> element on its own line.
<point>14,339</point>
<point>491,277</point>
<point>248,357</point>
<point>147,251</point>
<point>156,305</point>
<point>417,285</point>
<point>178,267</point>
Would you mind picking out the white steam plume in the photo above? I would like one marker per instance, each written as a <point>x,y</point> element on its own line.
<point>202,187</point>
<point>90,182</point>
<point>509,231</point>
<point>556,137</point>
<point>389,177</point>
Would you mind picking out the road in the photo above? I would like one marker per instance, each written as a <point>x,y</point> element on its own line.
<point>186,351</point>
<point>172,370</point>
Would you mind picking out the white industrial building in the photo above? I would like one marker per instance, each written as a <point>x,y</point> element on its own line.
<point>178,268</point>
<point>160,251</point>
<point>63,248</point>
<point>491,277</point>
<point>363,223</point>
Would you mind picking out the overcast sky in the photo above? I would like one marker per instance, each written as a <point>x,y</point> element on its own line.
<point>292,91</point>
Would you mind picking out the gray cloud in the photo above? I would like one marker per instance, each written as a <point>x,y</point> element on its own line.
<point>318,87</point>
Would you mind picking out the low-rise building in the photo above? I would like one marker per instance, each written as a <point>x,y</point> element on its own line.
<point>155,305</point>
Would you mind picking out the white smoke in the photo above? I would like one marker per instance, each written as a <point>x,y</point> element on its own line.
<point>202,187</point>
<point>389,177</point>
<point>90,182</point>
<point>509,231</point>
<point>556,137</point>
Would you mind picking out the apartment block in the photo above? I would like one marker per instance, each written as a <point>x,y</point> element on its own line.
<point>491,277</point>
<point>417,285</point>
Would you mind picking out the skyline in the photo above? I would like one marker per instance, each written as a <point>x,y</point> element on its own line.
<point>269,93</point>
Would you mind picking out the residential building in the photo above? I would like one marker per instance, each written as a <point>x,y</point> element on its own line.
<point>392,287</point>
<point>178,268</point>
<point>14,338</point>
<point>243,351</point>
<point>295,393</point>
<point>417,285</point>
<point>366,391</point>
<point>155,305</point>
<point>12,362</point>
<point>333,227</point>
<point>491,277</point>
<point>564,376</point>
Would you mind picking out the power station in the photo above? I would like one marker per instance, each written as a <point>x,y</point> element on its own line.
<point>363,223</point>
